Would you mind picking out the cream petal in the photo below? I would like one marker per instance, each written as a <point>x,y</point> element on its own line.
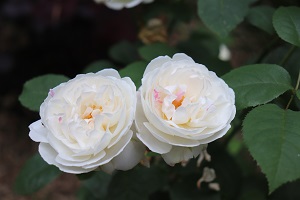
<point>177,154</point>
<point>74,170</point>
<point>180,116</point>
<point>156,63</point>
<point>130,156</point>
<point>152,143</point>
<point>89,160</point>
<point>171,139</point>
<point>108,168</point>
<point>215,136</point>
<point>113,151</point>
<point>38,132</point>
<point>114,6</point>
<point>182,56</point>
<point>109,72</point>
<point>197,150</point>
<point>133,3</point>
<point>48,153</point>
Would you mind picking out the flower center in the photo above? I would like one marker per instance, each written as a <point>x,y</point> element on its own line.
<point>178,101</point>
<point>90,111</point>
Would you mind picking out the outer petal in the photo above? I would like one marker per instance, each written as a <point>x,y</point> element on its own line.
<point>109,72</point>
<point>177,154</point>
<point>38,132</point>
<point>144,134</point>
<point>130,156</point>
<point>156,63</point>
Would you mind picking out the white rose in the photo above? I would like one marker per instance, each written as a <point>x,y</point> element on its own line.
<point>182,106</point>
<point>85,124</point>
<point>119,4</point>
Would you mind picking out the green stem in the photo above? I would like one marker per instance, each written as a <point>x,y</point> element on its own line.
<point>294,92</point>
<point>287,55</point>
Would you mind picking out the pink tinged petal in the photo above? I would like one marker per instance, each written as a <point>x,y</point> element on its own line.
<point>171,139</point>
<point>177,154</point>
<point>51,92</point>
<point>156,63</point>
<point>130,156</point>
<point>38,132</point>
<point>109,72</point>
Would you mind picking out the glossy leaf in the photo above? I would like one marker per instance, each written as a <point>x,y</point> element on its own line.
<point>286,21</point>
<point>137,183</point>
<point>135,71</point>
<point>123,52</point>
<point>272,136</point>
<point>152,51</point>
<point>97,185</point>
<point>261,17</point>
<point>222,16</point>
<point>36,90</point>
<point>35,174</point>
<point>257,84</point>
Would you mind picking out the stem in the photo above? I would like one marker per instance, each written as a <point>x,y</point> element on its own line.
<point>287,55</point>
<point>294,92</point>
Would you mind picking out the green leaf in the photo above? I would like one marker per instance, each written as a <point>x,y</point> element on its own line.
<point>286,21</point>
<point>261,17</point>
<point>272,136</point>
<point>35,174</point>
<point>135,71</point>
<point>257,84</point>
<point>97,66</point>
<point>298,94</point>
<point>123,52</point>
<point>152,51</point>
<point>97,185</point>
<point>137,183</point>
<point>36,90</point>
<point>222,16</point>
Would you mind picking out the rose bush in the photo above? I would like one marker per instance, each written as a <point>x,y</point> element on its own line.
<point>182,106</point>
<point>85,124</point>
<point>119,4</point>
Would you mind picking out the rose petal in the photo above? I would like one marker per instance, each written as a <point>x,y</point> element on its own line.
<point>171,139</point>
<point>177,154</point>
<point>38,132</point>
<point>109,72</point>
<point>130,156</point>
<point>156,63</point>
<point>113,151</point>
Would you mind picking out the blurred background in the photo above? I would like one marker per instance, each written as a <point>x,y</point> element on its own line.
<point>39,37</point>
<point>65,36</point>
